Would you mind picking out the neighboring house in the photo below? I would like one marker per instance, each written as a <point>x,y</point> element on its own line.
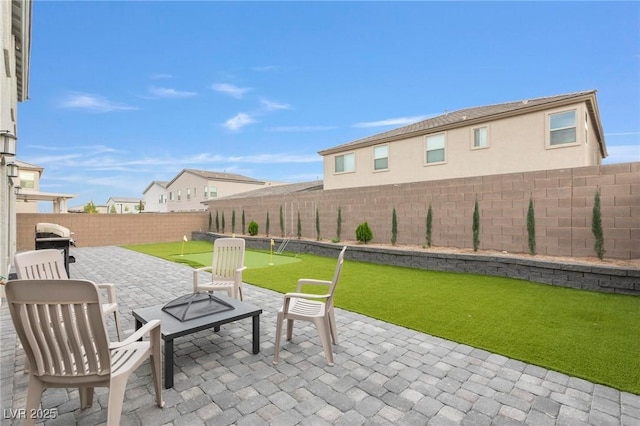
<point>122,205</point>
<point>28,194</point>
<point>15,37</point>
<point>155,196</point>
<point>191,188</point>
<point>534,134</point>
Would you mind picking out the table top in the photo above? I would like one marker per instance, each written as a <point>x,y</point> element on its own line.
<point>172,327</point>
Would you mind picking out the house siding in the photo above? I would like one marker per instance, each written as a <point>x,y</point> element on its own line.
<point>516,144</point>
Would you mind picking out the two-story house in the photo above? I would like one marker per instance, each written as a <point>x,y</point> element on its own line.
<point>190,188</point>
<point>553,132</point>
<point>155,197</point>
<point>28,194</point>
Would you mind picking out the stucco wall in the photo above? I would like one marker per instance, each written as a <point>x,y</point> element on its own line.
<point>563,209</point>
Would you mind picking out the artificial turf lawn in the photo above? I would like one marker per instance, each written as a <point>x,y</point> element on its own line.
<point>586,334</point>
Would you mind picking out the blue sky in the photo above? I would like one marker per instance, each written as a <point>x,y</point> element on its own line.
<point>124,93</point>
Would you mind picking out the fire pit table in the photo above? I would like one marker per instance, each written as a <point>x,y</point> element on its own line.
<point>171,326</point>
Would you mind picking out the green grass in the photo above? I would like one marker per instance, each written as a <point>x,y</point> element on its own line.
<point>591,335</point>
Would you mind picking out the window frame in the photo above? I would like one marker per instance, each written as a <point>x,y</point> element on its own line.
<point>473,137</point>
<point>549,130</point>
<point>335,159</point>
<point>386,157</point>
<point>426,149</point>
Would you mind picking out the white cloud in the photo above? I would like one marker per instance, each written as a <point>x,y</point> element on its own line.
<point>622,134</point>
<point>238,121</point>
<point>265,68</point>
<point>93,103</point>
<point>163,92</point>
<point>400,121</point>
<point>294,129</point>
<point>272,106</point>
<point>161,76</point>
<point>230,89</point>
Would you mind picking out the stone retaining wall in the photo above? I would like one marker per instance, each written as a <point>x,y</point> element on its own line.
<point>608,279</point>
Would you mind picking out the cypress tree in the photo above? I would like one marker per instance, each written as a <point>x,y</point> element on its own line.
<point>223,222</point>
<point>281,222</point>
<point>299,226</point>
<point>339,230</point>
<point>476,226</point>
<point>429,225</point>
<point>217,222</point>
<point>267,225</point>
<point>394,227</point>
<point>596,226</point>
<point>233,221</point>
<point>243,223</point>
<point>317,225</point>
<point>210,221</point>
<point>531,227</point>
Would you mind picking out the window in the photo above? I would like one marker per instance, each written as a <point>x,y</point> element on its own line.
<point>435,148</point>
<point>206,192</point>
<point>162,199</point>
<point>213,192</point>
<point>381,157</point>
<point>562,128</point>
<point>345,163</point>
<point>171,196</point>
<point>188,193</point>
<point>179,195</point>
<point>194,191</point>
<point>480,139</point>
<point>27,180</point>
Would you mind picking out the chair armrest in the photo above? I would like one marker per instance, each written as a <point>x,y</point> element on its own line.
<point>196,272</point>
<point>111,291</point>
<point>304,281</point>
<point>145,329</point>
<point>306,296</point>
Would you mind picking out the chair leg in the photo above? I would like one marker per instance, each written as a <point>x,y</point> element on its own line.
<point>156,366</point>
<point>34,394</point>
<point>117,387</point>
<point>289,329</point>
<point>116,317</point>
<point>332,326</point>
<point>86,397</point>
<point>322,324</point>
<point>276,348</point>
<point>240,292</point>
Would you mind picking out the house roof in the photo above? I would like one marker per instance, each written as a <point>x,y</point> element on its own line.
<point>473,115</point>
<point>276,190</point>
<point>218,176</point>
<point>162,183</point>
<point>24,165</point>
<point>21,29</point>
<point>124,200</point>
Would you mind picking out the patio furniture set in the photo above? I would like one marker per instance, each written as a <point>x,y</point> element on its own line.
<point>61,323</point>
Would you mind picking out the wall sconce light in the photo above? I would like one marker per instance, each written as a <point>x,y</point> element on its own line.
<point>17,190</point>
<point>7,143</point>
<point>12,170</point>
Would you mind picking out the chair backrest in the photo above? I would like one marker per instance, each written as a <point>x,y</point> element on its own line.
<point>47,264</point>
<point>228,256</point>
<point>61,328</point>
<point>336,275</point>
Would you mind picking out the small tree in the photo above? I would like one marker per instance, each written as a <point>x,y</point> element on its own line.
<point>90,207</point>
<point>317,225</point>
<point>363,233</point>
<point>222,222</point>
<point>429,225</point>
<point>339,228</point>
<point>531,227</point>
<point>394,227</point>
<point>267,223</point>
<point>253,228</point>
<point>113,210</point>
<point>233,221</point>
<point>217,221</point>
<point>281,222</point>
<point>476,226</point>
<point>299,226</point>
<point>243,227</point>
<point>596,226</point>
<point>210,221</point>
<point>140,206</point>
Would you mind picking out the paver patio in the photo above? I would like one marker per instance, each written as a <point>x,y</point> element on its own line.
<point>383,374</point>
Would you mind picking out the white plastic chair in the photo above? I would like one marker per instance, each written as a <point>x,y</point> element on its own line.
<point>309,307</point>
<point>61,326</point>
<point>226,268</point>
<point>48,264</point>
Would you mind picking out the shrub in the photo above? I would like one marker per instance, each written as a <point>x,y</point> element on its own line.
<point>394,227</point>
<point>217,222</point>
<point>233,221</point>
<point>317,225</point>
<point>531,227</point>
<point>267,224</point>
<point>243,227</point>
<point>596,226</point>
<point>210,221</point>
<point>281,222</point>
<point>429,225</point>
<point>253,228</point>
<point>363,233</point>
<point>339,229</point>
<point>222,223</point>
<point>299,226</point>
<point>476,226</point>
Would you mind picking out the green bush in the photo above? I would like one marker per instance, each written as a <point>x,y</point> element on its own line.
<point>339,229</point>
<point>299,226</point>
<point>317,225</point>
<point>429,225</point>
<point>394,227</point>
<point>476,226</point>
<point>253,228</point>
<point>281,222</point>
<point>596,226</point>
<point>267,224</point>
<point>363,233</point>
<point>531,227</point>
